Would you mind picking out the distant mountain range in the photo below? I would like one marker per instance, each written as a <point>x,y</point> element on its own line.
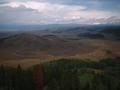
<point>111,32</point>
<point>106,33</point>
<point>67,30</point>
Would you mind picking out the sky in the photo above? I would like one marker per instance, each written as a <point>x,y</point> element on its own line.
<point>59,11</point>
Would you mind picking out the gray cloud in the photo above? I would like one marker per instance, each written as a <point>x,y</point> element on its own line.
<point>59,11</point>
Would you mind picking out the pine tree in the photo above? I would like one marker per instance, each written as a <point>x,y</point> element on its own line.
<point>38,77</point>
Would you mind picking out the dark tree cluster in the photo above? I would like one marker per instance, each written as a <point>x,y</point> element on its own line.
<point>64,74</point>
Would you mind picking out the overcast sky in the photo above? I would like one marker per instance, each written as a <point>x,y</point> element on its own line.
<point>59,11</point>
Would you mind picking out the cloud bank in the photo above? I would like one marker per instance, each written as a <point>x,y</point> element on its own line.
<point>58,11</point>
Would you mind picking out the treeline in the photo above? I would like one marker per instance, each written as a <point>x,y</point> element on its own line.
<point>64,74</point>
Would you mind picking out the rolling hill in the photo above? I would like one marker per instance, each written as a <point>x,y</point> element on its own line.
<point>30,45</point>
<point>35,46</point>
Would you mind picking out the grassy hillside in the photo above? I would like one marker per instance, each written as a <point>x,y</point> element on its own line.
<point>29,46</point>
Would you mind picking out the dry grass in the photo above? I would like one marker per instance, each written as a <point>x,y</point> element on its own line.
<point>91,49</point>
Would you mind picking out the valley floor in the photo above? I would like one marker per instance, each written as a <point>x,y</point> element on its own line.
<point>94,49</point>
